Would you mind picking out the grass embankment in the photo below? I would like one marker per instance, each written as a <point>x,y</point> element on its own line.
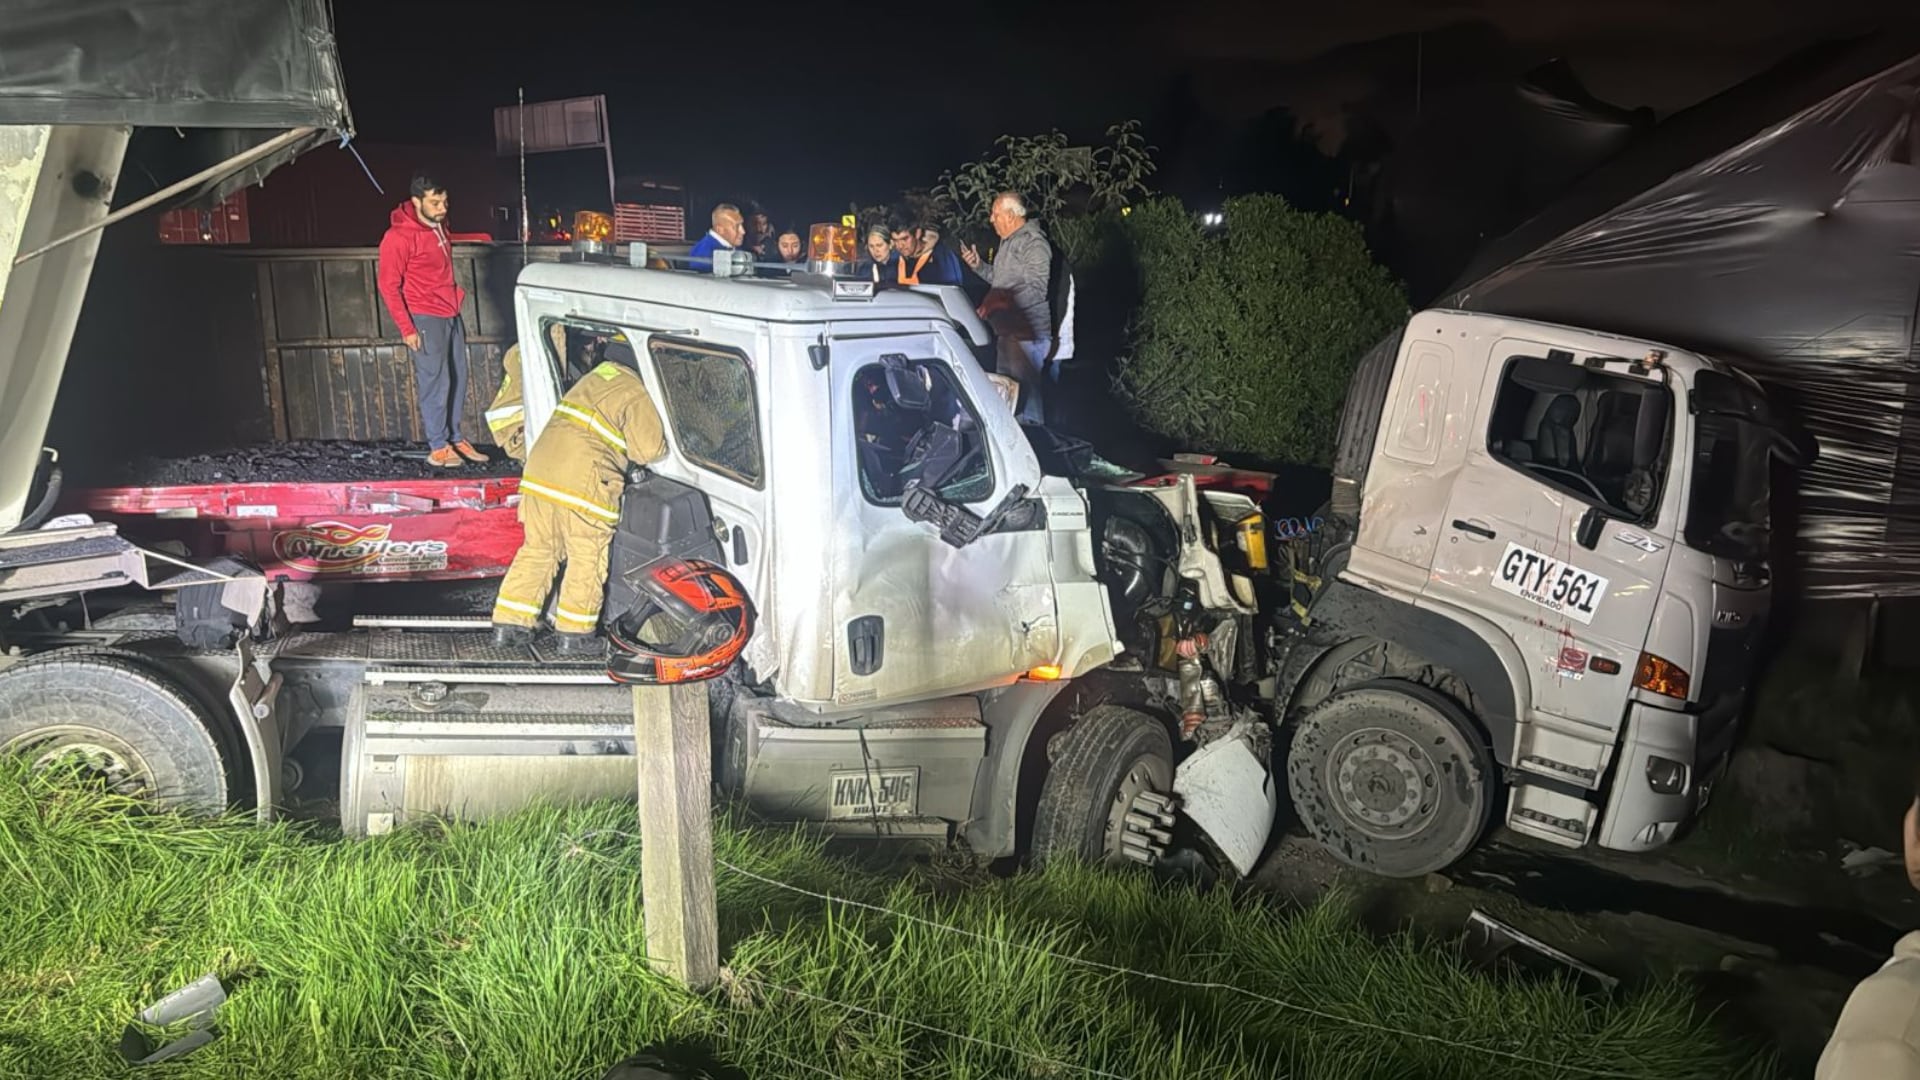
<point>515,949</point>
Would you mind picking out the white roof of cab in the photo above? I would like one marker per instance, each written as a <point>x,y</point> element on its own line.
<point>767,299</point>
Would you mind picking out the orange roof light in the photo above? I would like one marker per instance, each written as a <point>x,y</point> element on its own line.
<point>828,243</point>
<point>593,225</point>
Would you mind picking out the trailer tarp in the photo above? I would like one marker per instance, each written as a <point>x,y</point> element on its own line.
<point>171,63</point>
<point>1776,226</point>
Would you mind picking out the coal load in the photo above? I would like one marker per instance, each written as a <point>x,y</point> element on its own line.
<point>323,462</point>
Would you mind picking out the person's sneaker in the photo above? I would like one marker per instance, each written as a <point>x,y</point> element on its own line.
<point>465,449</point>
<point>579,644</point>
<point>444,458</point>
<point>507,635</point>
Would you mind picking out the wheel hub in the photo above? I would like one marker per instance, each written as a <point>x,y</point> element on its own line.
<point>1384,783</point>
<point>1140,819</point>
<point>88,752</point>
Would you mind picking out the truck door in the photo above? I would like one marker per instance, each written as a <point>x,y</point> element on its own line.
<point>707,396</point>
<point>1563,447</point>
<point>916,615</point>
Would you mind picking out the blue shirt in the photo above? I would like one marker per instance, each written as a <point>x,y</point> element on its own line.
<point>701,257</point>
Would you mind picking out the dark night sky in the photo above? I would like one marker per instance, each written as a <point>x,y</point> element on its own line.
<point>825,103</point>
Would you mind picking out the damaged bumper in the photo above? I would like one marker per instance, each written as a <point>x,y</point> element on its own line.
<point>1663,775</point>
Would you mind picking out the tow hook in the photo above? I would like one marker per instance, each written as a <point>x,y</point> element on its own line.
<point>1148,828</point>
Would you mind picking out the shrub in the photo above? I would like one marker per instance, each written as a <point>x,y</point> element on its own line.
<point>1242,339</point>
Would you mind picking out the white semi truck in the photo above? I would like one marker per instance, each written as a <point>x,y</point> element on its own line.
<point>1535,598</point>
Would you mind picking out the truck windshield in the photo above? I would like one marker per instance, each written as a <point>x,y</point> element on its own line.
<point>1727,514</point>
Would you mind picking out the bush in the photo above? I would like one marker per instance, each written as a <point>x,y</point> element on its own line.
<point>1242,340</point>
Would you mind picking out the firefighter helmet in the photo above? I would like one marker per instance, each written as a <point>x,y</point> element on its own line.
<point>693,619</point>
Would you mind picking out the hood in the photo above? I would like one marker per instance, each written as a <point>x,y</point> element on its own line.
<point>404,214</point>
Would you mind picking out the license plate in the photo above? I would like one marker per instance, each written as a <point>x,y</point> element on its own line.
<point>874,793</point>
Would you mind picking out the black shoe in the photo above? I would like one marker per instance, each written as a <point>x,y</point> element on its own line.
<point>580,644</point>
<point>507,635</point>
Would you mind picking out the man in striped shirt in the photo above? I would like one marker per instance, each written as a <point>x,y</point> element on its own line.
<point>570,502</point>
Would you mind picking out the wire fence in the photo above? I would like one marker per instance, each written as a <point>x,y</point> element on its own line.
<point>1557,1068</point>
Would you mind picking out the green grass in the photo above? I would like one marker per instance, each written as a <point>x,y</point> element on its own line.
<point>515,949</point>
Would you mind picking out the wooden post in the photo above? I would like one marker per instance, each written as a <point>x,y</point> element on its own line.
<point>674,745</point>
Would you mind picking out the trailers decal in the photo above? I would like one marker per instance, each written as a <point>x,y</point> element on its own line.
<point>330,547</point>
<point>1552,584</point>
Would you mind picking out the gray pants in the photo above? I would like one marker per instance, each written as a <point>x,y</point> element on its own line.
<point>440,376</point>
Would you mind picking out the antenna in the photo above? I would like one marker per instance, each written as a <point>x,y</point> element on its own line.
<point>525,226</point>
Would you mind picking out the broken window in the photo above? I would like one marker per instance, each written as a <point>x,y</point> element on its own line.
<point>711,406</point>
<point>913,424</point>
<point>1597,435</point>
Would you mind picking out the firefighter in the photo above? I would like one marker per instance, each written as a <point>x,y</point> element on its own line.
<point>570,502</point>
<point>506,417</point>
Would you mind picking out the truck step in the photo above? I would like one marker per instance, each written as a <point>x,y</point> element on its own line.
<point>442,650</point>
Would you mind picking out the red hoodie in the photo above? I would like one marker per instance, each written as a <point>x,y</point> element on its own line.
<point>416,270</point>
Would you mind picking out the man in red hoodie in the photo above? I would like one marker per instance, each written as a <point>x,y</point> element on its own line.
<point>416,281</point>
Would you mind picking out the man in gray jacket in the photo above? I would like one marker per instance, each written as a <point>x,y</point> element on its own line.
<point>1017,307</point>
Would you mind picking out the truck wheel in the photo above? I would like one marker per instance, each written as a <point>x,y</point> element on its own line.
<point>1109,756</point>
<point>1391,777</point>
<point>118,721</point>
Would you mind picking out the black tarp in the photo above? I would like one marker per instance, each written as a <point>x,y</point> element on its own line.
<point>1776,226</point>
<point>226,74</point>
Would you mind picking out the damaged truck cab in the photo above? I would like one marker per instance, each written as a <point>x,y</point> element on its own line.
<point>923,590</point>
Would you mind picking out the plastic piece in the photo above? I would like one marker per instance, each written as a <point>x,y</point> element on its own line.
<point>1225,789</point>
<point>193,1004</point>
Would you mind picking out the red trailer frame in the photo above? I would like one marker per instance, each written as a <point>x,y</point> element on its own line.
<point>374,530</point>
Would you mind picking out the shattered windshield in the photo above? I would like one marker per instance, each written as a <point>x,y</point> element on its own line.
<point>1728,511</point>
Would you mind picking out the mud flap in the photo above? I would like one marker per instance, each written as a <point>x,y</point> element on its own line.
<point>1230,794</point>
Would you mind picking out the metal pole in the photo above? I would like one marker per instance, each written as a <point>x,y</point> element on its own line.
<point>215,172</point>
<point>520,115</point>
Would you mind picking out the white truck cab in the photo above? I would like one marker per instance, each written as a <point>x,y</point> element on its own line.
<point>1576,526</point>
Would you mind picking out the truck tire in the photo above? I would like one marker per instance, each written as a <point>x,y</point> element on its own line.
<point>140,733</point>
<point>1391,777</point>
<point>1098,765</point>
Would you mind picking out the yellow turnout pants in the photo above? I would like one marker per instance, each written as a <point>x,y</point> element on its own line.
<point>556,534</point>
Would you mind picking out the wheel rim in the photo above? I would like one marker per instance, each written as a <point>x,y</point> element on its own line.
<point>89,752</point>
<point>1384,783</point>
<point>1148,772</point>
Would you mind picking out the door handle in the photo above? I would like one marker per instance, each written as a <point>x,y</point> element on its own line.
<point>1473,528</point>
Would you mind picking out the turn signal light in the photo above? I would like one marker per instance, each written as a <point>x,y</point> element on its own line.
<point>1661,676</point>
<point>1044,673</point>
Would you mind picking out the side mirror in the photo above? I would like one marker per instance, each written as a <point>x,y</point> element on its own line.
<point>1588,534</point>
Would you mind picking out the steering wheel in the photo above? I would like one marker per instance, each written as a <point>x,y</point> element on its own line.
<point>1570,475</point>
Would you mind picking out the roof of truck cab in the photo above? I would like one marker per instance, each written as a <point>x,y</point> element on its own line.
<point>767,299</point>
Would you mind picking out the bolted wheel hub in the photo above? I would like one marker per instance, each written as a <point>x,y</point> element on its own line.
<point>88,752</point>
<point>1140,819</point>
<point>1384,783</point>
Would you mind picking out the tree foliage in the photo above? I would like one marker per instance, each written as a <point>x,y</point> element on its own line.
<point>1055,177</point>
<point>1243,339</point>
